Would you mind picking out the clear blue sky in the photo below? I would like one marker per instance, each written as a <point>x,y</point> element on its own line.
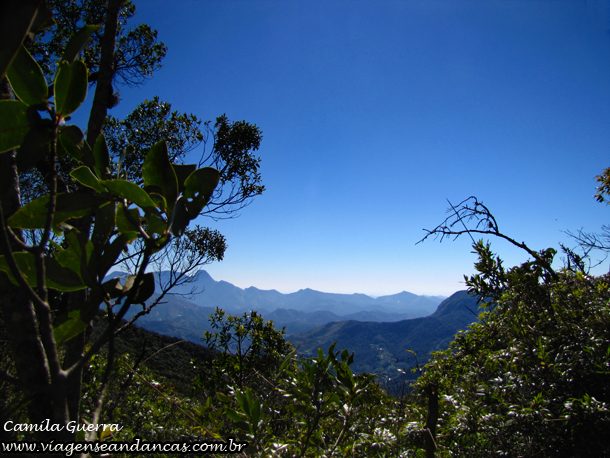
<point>374,112</point>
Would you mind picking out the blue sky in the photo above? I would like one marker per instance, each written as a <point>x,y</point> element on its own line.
<point>374,112</point>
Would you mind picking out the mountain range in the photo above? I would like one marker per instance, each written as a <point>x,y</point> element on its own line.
<point>389,334</point>
<point>392,349</point>
<point>190,304</point>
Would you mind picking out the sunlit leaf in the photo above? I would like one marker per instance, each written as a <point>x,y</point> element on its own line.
<point>85,176</point>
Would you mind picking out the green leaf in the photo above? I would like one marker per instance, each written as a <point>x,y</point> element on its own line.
<point>122,223</point>
<point>85,176</point>
<point>159,175</point>
<point>70,87</point>
<point>243,403</point>
<point>198,188</point>
<point>156,224</point>
<point>182,173</point>
<point>58,278</point>
<point>131,192</point>
<point>233,415</point>
<point>61,278</point>
<point>25,263</point>
<point>27,80</point>
<point>104,225</point>
<point>81,249</point>
<point>14,124</point>
<point>72,140</point>
<point>68,205</point>
<point>78,43</point>
<point>159,200</point>
<point>68,257</point>
<point>19,20</point>
<point>35,146</point>
<point>180,218</point>
<point>222,397</point>
<point>287,360</point>
<point>144,290</point>
<point>69,328</point>
<point>102,158</point>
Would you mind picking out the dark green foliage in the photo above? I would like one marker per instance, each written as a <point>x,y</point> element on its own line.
<point>381,348</point>
<point>168,357</point>
<point>94,225</point>
<point>231,152</point>
<point>138,52</point>
<point>151,121</point>
<point>603,188</point>
<point>249,350</point>
<point>533,377</point>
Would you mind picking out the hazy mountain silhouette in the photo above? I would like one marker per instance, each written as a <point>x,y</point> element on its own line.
<point>185,312</point>
<point>382,347</point>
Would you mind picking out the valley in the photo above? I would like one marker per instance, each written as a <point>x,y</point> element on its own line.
<point>389,334</point>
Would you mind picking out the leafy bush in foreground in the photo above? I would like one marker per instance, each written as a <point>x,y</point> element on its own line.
<point>532,378</point>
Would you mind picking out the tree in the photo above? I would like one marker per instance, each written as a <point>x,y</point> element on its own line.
<point>53,289</point>
<point>254,385</point>
<point>228,146</point>
<point>231,152</point>
<point>531,377</point>
<point>136,56</point>
<point>138,53</point>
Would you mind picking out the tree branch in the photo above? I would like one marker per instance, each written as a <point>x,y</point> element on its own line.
<point>471,209</point>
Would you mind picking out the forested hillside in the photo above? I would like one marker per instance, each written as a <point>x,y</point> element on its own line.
<point>391,349</point>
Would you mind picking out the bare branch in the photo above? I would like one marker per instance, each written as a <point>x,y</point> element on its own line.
<point>471,210</point>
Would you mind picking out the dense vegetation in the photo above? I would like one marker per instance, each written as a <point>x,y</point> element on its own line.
<point>531,378</point>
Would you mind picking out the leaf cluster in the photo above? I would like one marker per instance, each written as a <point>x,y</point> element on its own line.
<point>532,377</point>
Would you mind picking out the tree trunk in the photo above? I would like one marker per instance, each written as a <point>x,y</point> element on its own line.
<point>432,419</point>
<point>103,89</point>
<point>17,310</point>
<point>103,92</point>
